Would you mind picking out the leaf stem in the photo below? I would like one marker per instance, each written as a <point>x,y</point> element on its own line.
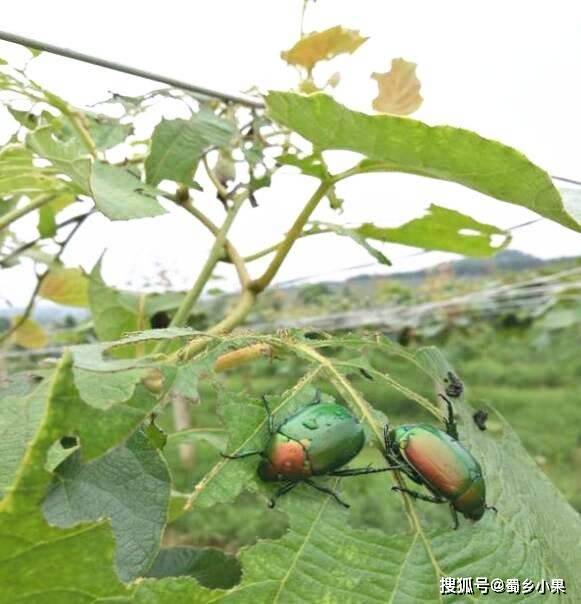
<point>180,318</point>
<point>232,252</point>
<point>286,244</point>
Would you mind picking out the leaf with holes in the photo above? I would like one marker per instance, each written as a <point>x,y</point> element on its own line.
<point>178,145</point>
<point>442,229</point>
<point>402,144</point>
<point>129,485</point>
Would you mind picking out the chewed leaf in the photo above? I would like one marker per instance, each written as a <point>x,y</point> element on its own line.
<point>402,144</point>
<point>399,89</point>
<point>120,195</point>
<point>442,229</point>
<point>323,45</point>
<point>130,485</point>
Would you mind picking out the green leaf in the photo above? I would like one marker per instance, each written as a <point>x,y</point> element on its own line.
<point>103,391</point>
<point>213,436</point>
<point>18,175</point>
<point>323,227</point>
<point>120,195</point>
<point>442,229</point>
<point>129,485</point>
<point>22,412</point>
<point>312,165</point>
<point>107,132</point>
<point>406,145</point>
<point>35,558</point>
<point>178,145</point>
<point>46,222</point>
<point>69,156</point>
<point>114,312</point>
<point>211,567</point>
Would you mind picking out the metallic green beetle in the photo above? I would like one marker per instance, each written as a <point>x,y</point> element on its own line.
<point>318,440</point>
<point>437,460</point>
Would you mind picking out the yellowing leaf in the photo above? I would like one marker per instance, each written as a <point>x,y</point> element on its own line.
<point>67,286</point>
<point>399,89</point>
<point>323,45</point>
<point>30,334</point>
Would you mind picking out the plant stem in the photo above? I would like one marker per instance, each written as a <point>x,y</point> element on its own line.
<point>232,252</point>
<point>286,244</point>
<point>227,324</point>
<point>180,318</point>
<point>273,248</point>
<point>17,213</point>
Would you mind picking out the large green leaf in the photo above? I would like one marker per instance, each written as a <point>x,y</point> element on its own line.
<point>120,195</point>
<point>402,144</point>
<point>39,562</point>
<point>23,403</point>
<point>442,229</point>
<point>129,485</point>
<point>178,145</point>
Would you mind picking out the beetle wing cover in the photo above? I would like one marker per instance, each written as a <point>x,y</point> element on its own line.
<point>333,434</point>
<point>445,465</point>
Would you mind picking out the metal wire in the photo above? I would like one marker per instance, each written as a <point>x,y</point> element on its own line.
<point>135,71</point>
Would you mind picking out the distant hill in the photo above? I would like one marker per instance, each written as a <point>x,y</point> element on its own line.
<point>507,261</point>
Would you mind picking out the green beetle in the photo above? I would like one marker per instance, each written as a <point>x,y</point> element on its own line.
<point>437,460</point>
<point>317,440</point>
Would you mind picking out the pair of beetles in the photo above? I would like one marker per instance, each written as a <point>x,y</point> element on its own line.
<point>321,438</point>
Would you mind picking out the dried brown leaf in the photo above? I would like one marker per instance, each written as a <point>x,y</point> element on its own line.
<point>399,89</point>
<point>323,45</point>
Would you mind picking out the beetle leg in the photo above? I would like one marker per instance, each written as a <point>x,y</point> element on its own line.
<point>289,486</point>
<point>416,495</point>
<point>454,517</point>
<point>242,455</point>
<point>491,508</point>
<point>450,422</point>
<point>361,471</point>
<point>326,490</point>
<point>271,429</point>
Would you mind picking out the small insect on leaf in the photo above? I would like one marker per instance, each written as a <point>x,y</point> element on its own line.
<point>399,89</point>
<point>322,45</point>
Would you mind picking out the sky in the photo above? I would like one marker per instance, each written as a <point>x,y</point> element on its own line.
<point>507,70</point>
